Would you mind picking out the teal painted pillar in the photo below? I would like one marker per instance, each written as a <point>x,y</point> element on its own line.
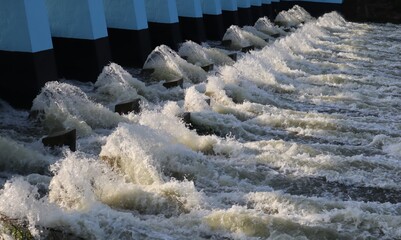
<point>128,31</point>
<point>213,18</point>
<point>229,9</point>
<point>26,51</point>
<point>191,20</point>
<point>80,39</point>
<point>163,22</point>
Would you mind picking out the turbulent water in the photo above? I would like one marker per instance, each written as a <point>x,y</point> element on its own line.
<point>301,140</point>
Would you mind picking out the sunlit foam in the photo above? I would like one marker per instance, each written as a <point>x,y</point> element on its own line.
<point>67,106</point>
<point>203,55</point>
<point>241,39</point>
<point>293,17</point>
<point>168,65</point>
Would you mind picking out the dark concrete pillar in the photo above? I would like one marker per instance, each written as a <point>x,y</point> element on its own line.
<point>244,12</point>
<point>256,8</point>
<point>127,27</point>
<point>191,20</point>
<point>229,9</point>
<point>80,39</point>
<point>213,19</point>
<point>276,8</point>
<point>267,8</point>
<point>163,23</point>
<point>26,52</point>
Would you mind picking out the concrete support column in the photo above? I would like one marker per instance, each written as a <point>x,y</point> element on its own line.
<point>128,31</point>
<point>256,8</point>
<point>213,19</point>
<point>163,22</point>
<point>286,5</point>
<point>275,8</point>
<point>26,51</point>
<point>244,12</point>
<point>80,40</point>
<point>267,8</point>
<point>191,20</point>
<point>230,13</point>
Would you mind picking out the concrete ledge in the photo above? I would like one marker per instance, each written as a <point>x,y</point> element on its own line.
<point>128,106</point>
<point>233,56</point>
<point>208,68</point>
<point>63,138</point>
<point>174,83</point>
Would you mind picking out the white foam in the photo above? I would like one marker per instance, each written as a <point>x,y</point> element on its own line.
<point>168,65</point>
<point>293,17</point>
<point>241,39</point>
<point>306,144</point>
<point>17,158</point>
<point>203,55</point>
<point>115,85</point>
<point>67,106</point>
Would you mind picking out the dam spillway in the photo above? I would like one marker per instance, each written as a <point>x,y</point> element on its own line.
<point>68,39</point>
<point>297,139</point>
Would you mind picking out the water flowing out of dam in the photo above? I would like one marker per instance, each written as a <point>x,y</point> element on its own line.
<point>301,140</point>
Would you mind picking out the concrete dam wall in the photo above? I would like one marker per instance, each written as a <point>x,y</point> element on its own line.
<point>47,40</point>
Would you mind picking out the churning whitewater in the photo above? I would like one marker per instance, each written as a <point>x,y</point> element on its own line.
<point>301,140</point>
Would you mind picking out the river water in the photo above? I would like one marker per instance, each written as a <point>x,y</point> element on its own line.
<point>301,140</point>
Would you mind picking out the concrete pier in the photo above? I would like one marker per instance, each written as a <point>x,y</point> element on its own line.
<point>245,13</point>
<point>163,22</point>
<point>26,51</point>
<point>191,20</point>
<point>257,11</point>
<point>43,40</point>
<point>79,33</point>
<point>275,8</point>
<point>229,9</point>
<point>213,19</point>
<point>267,8</point>
<point>128,31</point>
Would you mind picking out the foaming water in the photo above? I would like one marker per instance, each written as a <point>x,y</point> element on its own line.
<point>298,140</point>
<point>168,65</point>
<point>293,17</point>
<point>241,38</point>
<point>204,55</point>
<point>264,25</point>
